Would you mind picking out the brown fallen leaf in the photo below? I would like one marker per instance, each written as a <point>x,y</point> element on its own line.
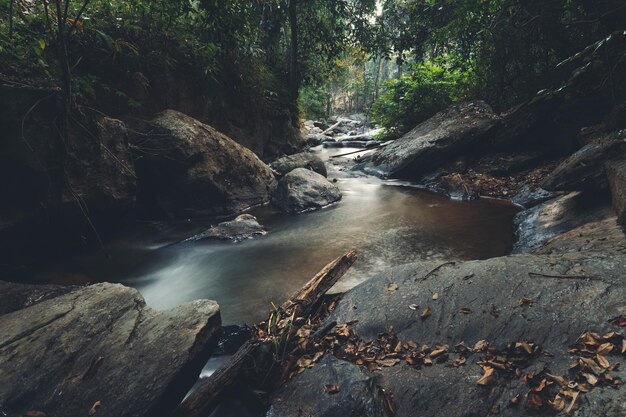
<point>603,361</point>
<point>392,287</point>
<point>573,403</point>
<point>525,301</point>
<point>94,408</point>
<point>331,389</point>
<point>605,348</point>
<point>480,346</point>
<point>459,361</point>
<point>436,296</point>
<point>515,400</point>
<point>488,377</point>
<point>558,403</point>
<point>425,313</point>
<point>387,362</point>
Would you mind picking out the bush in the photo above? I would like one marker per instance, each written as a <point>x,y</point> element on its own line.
<point>312,102</point>
<point>411,99</point>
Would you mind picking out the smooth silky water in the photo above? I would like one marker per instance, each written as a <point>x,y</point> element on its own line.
<point>388,223</point>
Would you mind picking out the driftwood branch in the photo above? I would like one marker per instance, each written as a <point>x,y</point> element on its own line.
<point>206,396</point>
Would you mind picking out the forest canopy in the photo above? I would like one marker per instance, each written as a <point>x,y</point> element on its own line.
<point>401,59</point>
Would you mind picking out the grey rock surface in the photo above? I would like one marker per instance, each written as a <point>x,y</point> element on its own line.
<point>244,226</point>
<point>306,160</point>
<point>101,348</point>
<point>433,142</point>
<point>192,169</point>
<point>304,190</point>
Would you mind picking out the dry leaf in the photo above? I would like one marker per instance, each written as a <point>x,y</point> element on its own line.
<point>465,310</point>
<point>436,296</point>
<point>480,346</point>
<point>525,301</point>
<point>571,406</point>
<point>387,362</point>
<point>488,376</point>
<point>426,313</point>
<point>331,389</point>
<point>515,400</point>
<point>392,287</point>
<point>94,408</point>
<point>605,348</point>
<point>602,361</point>
<point>414,307</point>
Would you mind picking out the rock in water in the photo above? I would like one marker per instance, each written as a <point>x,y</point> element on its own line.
<point>101,348</point>
<point>584,170</point>
<point>304,190</point>
<point>306,160</point>
<point>433,142</point>
<point>243,227</point>
<point>190,168</point>
<point>616,173</point>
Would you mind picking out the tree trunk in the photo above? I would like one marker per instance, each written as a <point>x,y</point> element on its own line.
<point>11,5</point>
<point>294,78</point>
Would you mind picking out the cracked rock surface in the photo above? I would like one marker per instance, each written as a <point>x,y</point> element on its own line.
<point>99,350</point>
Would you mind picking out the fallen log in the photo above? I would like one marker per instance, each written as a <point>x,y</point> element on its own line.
<point>331,128</point>
<point>203,400</point>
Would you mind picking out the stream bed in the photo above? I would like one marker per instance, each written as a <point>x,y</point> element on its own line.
<point>388,222</point>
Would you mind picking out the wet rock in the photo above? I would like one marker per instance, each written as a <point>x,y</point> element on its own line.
<point>333,144</point>
<point>616,173</point>
<point>100,347</point>
<point>535,226</point>
<point>231,339</point>
<point>315,139</point>
<point>600,236</point>
<point>491,289</point>
<point>306,160</point>
<point>434,142</point>
<point>245,226</point>
<point>584,170</point>
<point>529,196</point>
<point>192,169</point>
<point>304,190</point>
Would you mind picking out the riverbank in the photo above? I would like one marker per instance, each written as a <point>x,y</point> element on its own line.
<point>565,281</point>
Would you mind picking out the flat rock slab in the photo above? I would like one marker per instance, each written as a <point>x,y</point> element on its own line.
<point>537,225</point>
<point>99,350</point>
<point>561,310</point>
<point>432,143</point>
<point>600,236</point>
<point>243,227</point>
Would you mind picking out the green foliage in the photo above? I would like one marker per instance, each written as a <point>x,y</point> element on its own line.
<point>313,102</point>
<point>411,99</point>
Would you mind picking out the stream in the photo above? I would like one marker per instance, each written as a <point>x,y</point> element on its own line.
<point>388,223</point>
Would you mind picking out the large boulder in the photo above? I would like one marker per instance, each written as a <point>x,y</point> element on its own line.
<point>433,142</point>
<point>535,226</point>
<point>501,301</point>
<point>188,168</point>
<point>306,160</point>
<point>584,170</point>
<point>60,191</point>
<point>616,173</point>
<point>99,350</point>
<point>243,227</point>
<point>304,190</point>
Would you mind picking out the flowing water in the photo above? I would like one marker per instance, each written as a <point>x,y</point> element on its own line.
<point>388,223</point>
